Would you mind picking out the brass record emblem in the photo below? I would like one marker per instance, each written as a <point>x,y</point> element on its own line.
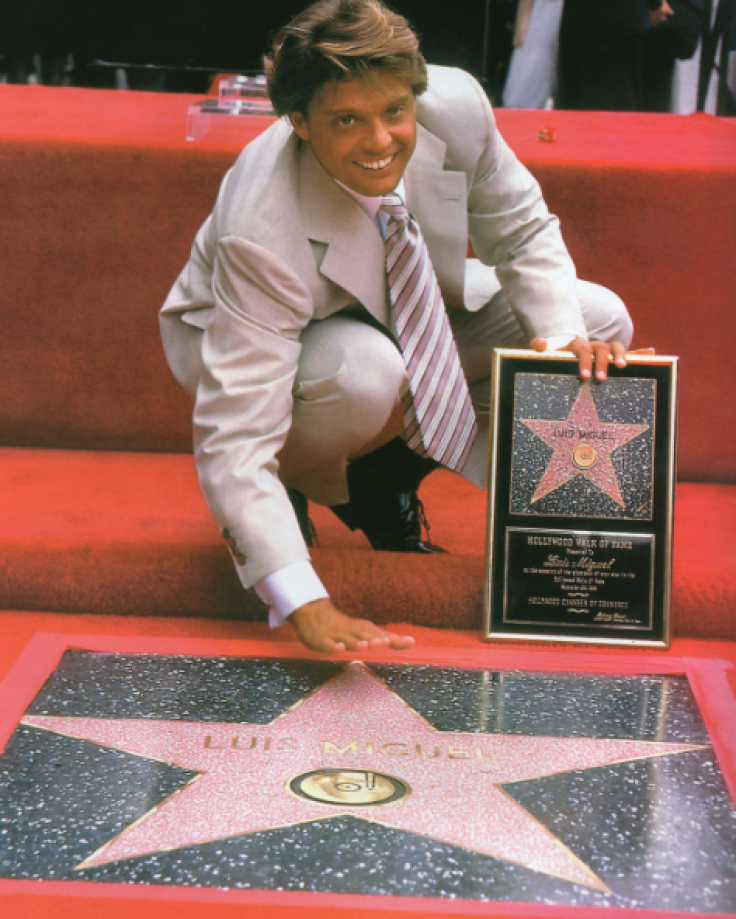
<point>584,456</point>
<point>351,787</point>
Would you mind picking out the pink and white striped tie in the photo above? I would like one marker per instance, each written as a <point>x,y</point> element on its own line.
<point>439,420</point>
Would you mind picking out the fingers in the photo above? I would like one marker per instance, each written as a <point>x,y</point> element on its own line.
<point>594,357</point>
<point>400,642</point>
<point>601,354</point>
<point>618,353</point>
<point>587,356</point>
<point>365,635</point>
<point>389,640</point>
<point>322,627</point>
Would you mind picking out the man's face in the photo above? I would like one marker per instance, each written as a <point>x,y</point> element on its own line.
<point>362,132</point>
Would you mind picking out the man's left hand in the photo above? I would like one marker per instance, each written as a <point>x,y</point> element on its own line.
<point>594,354</point>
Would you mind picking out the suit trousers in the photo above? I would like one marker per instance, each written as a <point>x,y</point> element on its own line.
<point>351,380</point>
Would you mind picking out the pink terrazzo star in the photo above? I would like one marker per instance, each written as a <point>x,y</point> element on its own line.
<point>353,723</point>
<point>582,446</point>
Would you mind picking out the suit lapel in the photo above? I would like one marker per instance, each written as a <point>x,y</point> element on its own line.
<point>354,258</point>
<point>438,199</point>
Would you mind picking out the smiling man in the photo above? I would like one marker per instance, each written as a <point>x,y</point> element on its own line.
<point>333,333</point>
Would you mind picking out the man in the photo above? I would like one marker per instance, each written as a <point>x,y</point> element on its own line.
<point>297,348</point>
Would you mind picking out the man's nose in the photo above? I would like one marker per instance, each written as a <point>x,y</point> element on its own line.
<point>379,137</point>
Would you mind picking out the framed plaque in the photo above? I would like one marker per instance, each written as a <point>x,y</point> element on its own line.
<point>581,500</point>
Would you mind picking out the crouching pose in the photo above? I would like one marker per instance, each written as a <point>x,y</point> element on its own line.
<point>333,333</point>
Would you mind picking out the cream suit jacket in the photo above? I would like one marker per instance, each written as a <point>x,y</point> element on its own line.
<point>286,245</point>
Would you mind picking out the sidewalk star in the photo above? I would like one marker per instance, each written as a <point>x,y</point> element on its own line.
<point>582,445</point>
<point>351,747</point>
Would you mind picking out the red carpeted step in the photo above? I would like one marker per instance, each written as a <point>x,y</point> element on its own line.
<point>129,533</point>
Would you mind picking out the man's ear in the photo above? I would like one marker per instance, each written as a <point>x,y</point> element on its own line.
<point>299,123</point>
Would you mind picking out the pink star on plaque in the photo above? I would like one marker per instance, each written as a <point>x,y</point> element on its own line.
<point>582,445</point>
<point>351,747</point>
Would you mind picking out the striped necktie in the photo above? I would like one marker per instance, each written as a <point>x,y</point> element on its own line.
<point>439,420</point>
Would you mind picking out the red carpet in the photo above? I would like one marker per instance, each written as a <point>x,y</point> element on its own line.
<point>130,534</point>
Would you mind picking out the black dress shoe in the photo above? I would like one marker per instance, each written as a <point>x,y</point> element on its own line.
<point>400,530</point>
<point>301,509</point>
<point>383,499</point>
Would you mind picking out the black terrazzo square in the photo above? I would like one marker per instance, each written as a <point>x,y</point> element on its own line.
<point>371,755</point>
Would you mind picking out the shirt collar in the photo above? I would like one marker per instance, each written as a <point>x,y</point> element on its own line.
<point>371,205</point>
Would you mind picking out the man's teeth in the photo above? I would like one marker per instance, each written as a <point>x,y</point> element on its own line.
<point>381,164</point>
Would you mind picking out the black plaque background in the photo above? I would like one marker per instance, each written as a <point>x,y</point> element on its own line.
<point>499,492</point>
<point>639,563</point>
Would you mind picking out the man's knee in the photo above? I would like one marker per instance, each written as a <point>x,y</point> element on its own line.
<point>346,396</point>
<point>350,378</point>
<point>605,314</point>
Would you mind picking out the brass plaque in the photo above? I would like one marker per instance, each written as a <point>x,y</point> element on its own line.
<point>349,787</point>
<point>581,500</point>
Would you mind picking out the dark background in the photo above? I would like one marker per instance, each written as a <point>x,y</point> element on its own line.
<point>232,35</point>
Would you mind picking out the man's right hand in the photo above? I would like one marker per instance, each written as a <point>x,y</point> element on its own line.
<point>322,627</point>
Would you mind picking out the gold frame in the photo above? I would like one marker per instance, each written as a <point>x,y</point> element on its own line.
<point>495,620</point>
